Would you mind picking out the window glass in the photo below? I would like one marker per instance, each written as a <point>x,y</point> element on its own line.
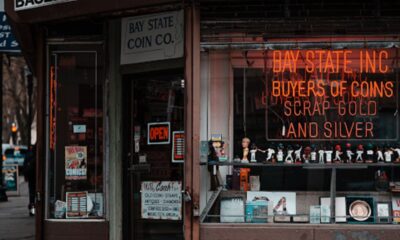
<point>305,124</point>
<point>75,136</point>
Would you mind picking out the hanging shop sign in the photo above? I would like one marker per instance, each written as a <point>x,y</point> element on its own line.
<point>8,43</point>
<point>152,37</point>
<point>158,133</point>
<point>20,5</point>
<point>162,200</point>
<point>178,146</point>
<point>332,94</point>
<point>75,162</point>
<point>10,175</point>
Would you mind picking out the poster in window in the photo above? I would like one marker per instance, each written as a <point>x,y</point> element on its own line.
<point>396,209</point>
<point>161,200</point>
<point>75,162</point>
<point>178,146</point>
<point>78,204</point>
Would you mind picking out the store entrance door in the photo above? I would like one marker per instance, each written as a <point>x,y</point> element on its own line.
<point>154,123</point>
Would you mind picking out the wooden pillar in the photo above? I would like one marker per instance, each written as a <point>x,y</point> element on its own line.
<point>192,122</point>
<point>40,74</point>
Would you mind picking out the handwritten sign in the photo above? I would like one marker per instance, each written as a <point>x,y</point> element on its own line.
<point>332,94</point>
<point>162,200</point>
<point>8,43</point>
<point>158,133</point>
<point>152,37</point>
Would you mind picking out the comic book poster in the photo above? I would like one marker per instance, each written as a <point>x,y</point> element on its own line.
<point>75,162</point>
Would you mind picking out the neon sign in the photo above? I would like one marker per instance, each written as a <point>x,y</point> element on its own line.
<point>331,94</point>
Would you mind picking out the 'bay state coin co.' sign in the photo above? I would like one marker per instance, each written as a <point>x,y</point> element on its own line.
<point>29,4</point>
<point>152,37</point>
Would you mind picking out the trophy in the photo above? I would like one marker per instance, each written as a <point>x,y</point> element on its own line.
<point>338,152</point>
<point>349,153</point>
<point>379,153</point>
<point>289,156</point>
<point>307,154</point>
<point>245,146</point>
<point>370,153</point>
<point>360,152</point>
<point>297,155</point>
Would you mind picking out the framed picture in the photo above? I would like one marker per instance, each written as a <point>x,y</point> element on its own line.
<point>383,212</point>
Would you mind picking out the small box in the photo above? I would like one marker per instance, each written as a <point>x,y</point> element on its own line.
<point>301,219</point>
<point>257,211</point>
<point>282,218</point>
<point>315,214</point>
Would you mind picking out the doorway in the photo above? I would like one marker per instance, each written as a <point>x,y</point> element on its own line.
<point>153,150</point>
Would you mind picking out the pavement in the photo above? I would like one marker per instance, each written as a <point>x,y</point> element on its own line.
<point>15,222</point>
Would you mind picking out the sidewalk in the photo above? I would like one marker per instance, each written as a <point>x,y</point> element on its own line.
<point>15,222</point>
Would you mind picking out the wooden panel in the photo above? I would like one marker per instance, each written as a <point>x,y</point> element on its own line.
<point>76,230</point>
<point>254,232</point>
<point>298,231</point>
<point>352,232</point>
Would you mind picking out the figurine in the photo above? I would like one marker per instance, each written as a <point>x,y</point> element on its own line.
<point>279,156</point>
<point>313,154</point>
<point>307,154</point>
<point>379,158</point>
<point>289,157</point>
<point>245,146</point>
<point>338,152</point>
<point>388,155</point>
<point>328,156</point>
<point>397,150</point>
<point>297,155</point>
<point>370,153</point>
<point>321,156</point>
<point>360,152</point>
<point>349,153</point>
<point>253,153</point>
<point>270,154</point>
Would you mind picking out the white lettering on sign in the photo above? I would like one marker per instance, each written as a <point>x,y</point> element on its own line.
<point>29,4</point>
<point>152,37</point>
<point>162,200</point>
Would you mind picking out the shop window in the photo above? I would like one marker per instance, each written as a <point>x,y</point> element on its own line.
<point>303,126</point>
<point>75,161</point>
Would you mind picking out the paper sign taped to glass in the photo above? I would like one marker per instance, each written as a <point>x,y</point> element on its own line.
<point>75,162</point>
<point>161,200</point>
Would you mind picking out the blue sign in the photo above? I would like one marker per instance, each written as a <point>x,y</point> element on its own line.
<point>8,43</point>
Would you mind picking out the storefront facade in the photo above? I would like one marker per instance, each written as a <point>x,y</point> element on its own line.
<point>194,120</point>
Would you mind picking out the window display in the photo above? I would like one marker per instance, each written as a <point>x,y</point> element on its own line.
<point>75,136</point>
<point>314,133</point>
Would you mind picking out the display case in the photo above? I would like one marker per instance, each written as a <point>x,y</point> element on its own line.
<point>299,134</point>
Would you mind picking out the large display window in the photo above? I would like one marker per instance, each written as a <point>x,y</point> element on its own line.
<point>75,156</point>
<point>306,132</point>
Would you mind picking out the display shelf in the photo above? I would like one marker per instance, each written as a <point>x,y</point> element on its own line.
<point>303,165</point>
